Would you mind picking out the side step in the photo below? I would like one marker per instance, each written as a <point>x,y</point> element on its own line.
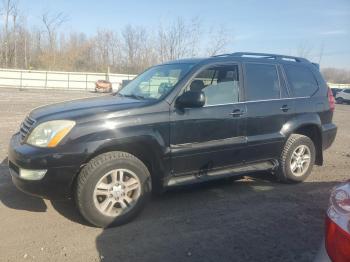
<point>221,173</point>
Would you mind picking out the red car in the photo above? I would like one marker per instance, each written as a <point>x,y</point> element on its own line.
<point>337,239</point>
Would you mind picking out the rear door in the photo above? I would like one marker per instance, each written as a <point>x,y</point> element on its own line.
<point>268,108</point>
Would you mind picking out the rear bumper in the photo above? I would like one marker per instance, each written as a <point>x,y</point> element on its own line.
<point>329,132</point>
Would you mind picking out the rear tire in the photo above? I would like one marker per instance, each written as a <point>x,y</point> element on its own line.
<point>112,189</point>
<point>340,100</point>
<point>297,159</point>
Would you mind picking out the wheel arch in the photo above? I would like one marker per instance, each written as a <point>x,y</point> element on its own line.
<point>308,125</point>
<point>145,148</point>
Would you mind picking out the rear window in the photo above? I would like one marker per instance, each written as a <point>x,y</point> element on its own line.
<point>262,82</point>
<point>301,80</point>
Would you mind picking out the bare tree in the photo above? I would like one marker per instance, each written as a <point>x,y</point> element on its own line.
<point>25,36</point>
<point>130,50</point>
<point>107,48</point>
<point>321,53</point>
<point>335,75</point>
<point>8,8</point>
<point>51,22</point>
<point>304,50</point>
<point>134,44</point>
<point>219,40</point>
<point>179,39</point>
<point>14,33</point>
<point>308,51</point>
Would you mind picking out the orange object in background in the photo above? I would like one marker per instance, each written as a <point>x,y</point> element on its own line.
<point>103,86</point>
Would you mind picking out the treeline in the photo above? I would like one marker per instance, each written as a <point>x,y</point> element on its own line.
<point>129,50</point>
<point>335,75</point>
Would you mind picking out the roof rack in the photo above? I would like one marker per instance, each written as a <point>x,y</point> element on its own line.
<point>265,56</point>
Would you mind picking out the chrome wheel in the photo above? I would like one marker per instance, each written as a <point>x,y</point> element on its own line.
<point>300,160</point>
<point>117,192</point>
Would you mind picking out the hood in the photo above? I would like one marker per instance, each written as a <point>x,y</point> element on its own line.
<point>85,107</point>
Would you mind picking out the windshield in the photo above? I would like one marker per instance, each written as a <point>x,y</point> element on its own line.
<point>156,82</point>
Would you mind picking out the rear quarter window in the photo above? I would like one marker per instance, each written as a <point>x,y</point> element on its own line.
<point>301,80</point>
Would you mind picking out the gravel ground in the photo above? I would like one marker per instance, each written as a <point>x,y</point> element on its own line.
<point>252,219</point>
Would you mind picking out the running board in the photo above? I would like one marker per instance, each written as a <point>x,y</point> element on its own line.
<point>221,173</point>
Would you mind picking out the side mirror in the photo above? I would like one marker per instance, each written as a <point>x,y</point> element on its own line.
<point>191,99</point>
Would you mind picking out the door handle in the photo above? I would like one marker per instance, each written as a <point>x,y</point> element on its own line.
<point>285,108</point>
<point>237,112</point>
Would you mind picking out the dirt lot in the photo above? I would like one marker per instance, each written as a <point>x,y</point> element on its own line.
<point>253,219</point>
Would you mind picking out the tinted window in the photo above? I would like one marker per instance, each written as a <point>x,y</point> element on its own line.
<point>220,84</point>
<point>262,82</point>
<point>347,91</point>
<point>301,80</point>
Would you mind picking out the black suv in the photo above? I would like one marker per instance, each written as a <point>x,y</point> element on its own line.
<point>177,123</point>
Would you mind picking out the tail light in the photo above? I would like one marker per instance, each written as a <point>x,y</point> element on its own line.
<point>338,224</point>
<point>331,100</point>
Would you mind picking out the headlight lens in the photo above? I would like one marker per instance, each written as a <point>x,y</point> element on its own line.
<point>49,134</point>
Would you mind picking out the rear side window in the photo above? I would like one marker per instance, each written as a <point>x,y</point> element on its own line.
<point>262,82</point>
<point>301,80</point>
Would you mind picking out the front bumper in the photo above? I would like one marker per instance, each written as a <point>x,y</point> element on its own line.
<point>56,185</point>
<point>61,169</point>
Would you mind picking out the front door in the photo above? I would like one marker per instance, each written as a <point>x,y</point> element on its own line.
<point>213,136</point>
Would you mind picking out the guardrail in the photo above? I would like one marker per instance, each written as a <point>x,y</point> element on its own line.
<point>334,85</point>
<point>57,80</point>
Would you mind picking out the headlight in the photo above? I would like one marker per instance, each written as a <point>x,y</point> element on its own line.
<point>49,134</point>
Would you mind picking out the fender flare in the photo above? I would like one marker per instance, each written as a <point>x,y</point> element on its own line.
<point>300,121</point>
<point>297,123</point>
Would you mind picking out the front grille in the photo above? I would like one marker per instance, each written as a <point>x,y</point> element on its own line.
<point>26,126</point>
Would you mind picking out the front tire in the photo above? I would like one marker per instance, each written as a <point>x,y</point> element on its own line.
<point>112,189</point>
<point>297,159</point>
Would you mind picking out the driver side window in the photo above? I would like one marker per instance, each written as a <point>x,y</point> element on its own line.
<point>220,84</point>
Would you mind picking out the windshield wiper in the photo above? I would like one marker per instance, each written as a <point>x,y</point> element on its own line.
<point>117,94</point>
<point>138,97</point>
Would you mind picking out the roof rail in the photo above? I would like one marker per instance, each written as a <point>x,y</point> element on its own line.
<point>265,55</point>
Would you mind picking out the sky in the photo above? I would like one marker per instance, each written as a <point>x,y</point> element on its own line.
<point>275,26</point>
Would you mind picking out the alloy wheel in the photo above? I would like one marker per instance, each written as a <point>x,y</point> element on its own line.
<point>117,192</point>
<point>300,160</point>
